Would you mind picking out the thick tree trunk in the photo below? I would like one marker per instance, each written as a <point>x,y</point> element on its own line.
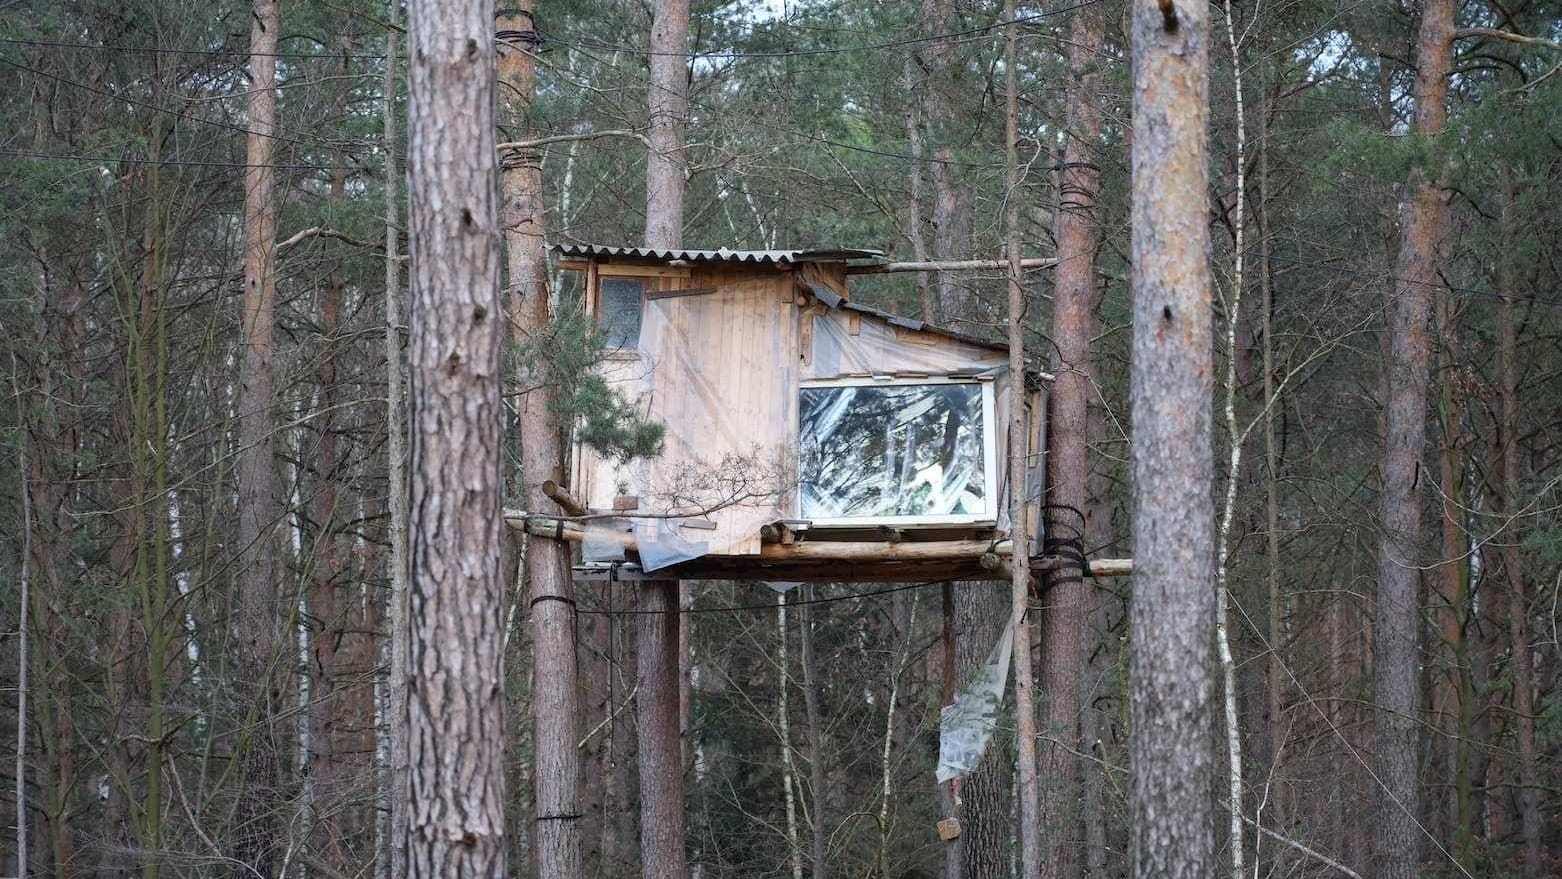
<point>555,696</point>
<point>667,163</point>
<point>1396,676</point>
<point>1073,324</point>
<point>656,708</point>
<point>257,509</point>
<point>1172,678</point>
<point>455,699</point>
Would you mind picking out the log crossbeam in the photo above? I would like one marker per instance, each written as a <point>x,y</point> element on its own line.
<point>831,559</point>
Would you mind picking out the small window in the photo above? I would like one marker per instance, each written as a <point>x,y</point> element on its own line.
<point>901,451</point>
<point>618,312</point>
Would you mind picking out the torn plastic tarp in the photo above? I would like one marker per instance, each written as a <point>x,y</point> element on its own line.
<point>660,545</point>
<point>966,725</point>
<point>605,540</point>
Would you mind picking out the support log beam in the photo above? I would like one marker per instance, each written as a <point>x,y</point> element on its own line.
<point>948,265</point>
<point>843,551</point>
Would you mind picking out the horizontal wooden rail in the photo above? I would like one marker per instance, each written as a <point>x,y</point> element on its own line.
<point>990,555</point>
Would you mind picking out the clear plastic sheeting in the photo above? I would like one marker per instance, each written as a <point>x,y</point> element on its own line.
<point>660,544</point>
<point>869,346</point>
<point>605,540</point>
<point>966,725</point>
<point>783,586</point>
<point>911,450</point>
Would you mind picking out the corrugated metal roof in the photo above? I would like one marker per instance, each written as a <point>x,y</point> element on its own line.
<point>754,257</point>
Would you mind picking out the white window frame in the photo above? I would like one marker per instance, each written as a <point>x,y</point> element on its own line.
<point>989,449</point>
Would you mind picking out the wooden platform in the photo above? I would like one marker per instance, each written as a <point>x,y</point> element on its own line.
<point>810,559</point>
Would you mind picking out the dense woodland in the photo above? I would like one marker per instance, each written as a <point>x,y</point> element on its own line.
<point>1306,326</point>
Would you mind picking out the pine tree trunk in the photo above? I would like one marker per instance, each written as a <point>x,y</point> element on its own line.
<point>1073,324</point>
<point>1172,677</point>
<point>326,609</point>
<point>666,163</point>
<point>656,707</point>
<point>1396,674</point>
<point>1518,601</point>
<point>555,696</point>
<point>259,685</point>
<point>455,699</point>
<point>981,611</point>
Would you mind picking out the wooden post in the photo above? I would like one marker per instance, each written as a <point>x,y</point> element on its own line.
<point>656,710</point>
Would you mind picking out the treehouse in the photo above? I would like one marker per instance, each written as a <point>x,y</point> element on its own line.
<point>807,436</point>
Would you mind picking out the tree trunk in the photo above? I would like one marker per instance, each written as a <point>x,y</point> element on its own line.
<point>1073,324</point>
<point>1396,674</point>
<point>555,697</point>
<point>656,708</point>
<point>257,508</point>
<point>393,783</point>
<point>1172,676</point>
<point>455,699</point>
<point>327,611</point>
<point>1451,692</point>
<point>1511,542</point>
<point>1027,784</point>
<point>667,163</point>
<point>816,778</point>
<point>981,611</point>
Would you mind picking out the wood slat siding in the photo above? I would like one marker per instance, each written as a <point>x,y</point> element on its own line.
<point>721,376</point>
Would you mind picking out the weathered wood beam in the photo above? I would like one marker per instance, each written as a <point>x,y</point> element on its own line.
<point>561,496</point>
<point>948,265</point>
<point>987,554</point>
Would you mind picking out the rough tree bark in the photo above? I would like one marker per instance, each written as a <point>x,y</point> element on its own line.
<point>981,611</point>
<point>555,697</point>
<point>950,214</point>
<point>666,163</point>
<point>661,794</point>
<point>656,709</point>
<point>1172,679</point>
<point>1073,324</point>
<point>257,509</point>
<point>455,690</point>
<point>1396,680</point>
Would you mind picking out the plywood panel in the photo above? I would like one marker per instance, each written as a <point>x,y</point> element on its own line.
<point>719,372</point>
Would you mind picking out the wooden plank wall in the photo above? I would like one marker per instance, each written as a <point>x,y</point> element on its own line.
<point>719,371</point>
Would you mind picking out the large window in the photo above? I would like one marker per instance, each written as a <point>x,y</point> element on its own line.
<point>618,312</point>
<point>885,452</point>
